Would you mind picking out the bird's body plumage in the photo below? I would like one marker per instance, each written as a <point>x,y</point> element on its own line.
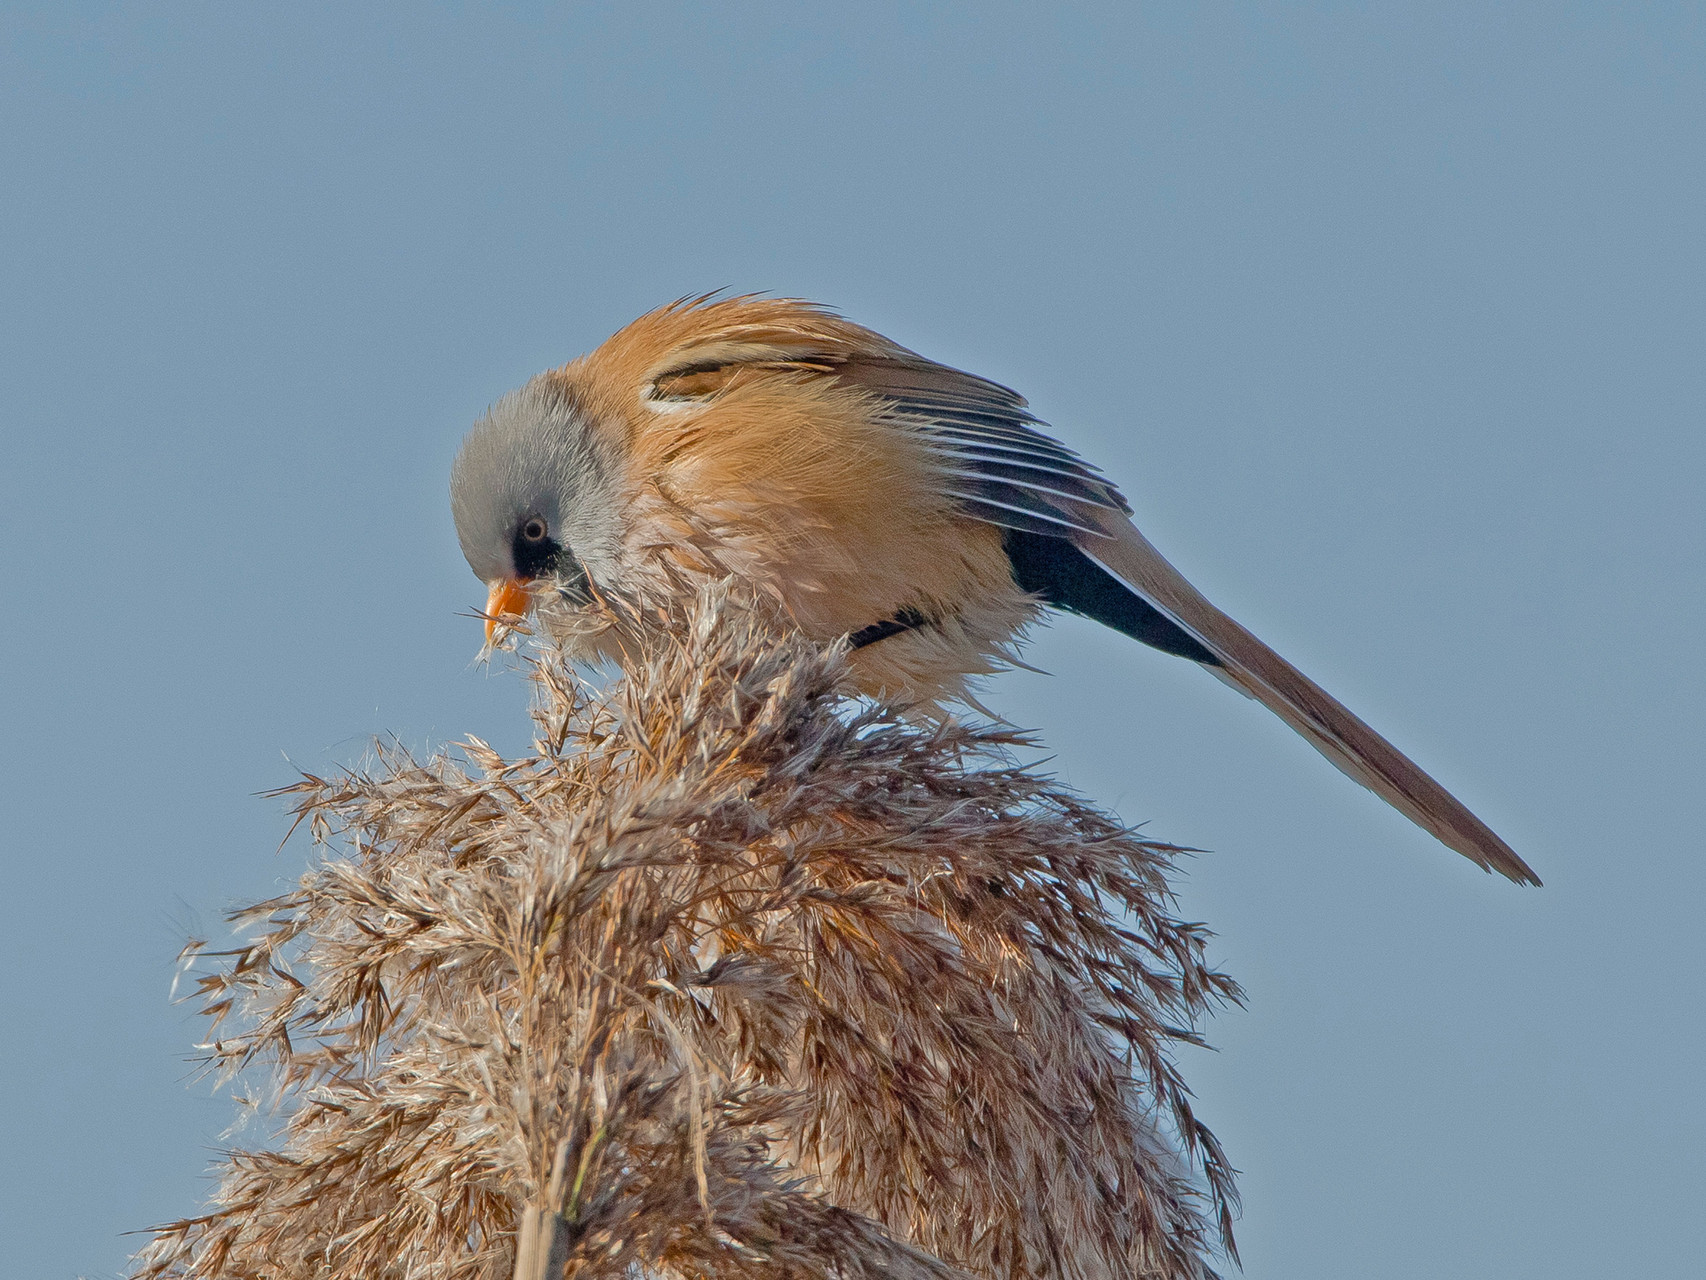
<point>868,492</point>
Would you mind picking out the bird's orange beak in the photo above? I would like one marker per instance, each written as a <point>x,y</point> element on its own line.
<point>509,599</point>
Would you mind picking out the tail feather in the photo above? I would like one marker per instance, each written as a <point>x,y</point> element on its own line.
<point>1326,723</point>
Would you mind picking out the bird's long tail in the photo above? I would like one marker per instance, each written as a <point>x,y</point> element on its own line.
<point>1250,665</point>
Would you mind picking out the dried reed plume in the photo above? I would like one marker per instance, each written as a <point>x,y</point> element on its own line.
<point>734,976</point>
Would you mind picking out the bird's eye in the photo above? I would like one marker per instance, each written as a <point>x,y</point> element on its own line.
<point>534,530</point>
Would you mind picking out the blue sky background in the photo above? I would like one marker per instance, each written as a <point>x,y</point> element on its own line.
<point>1387,317</point>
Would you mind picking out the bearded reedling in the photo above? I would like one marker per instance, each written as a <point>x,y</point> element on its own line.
<point>872,494</point>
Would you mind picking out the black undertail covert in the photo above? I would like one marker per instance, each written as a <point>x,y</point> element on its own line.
<point>1056,571</point>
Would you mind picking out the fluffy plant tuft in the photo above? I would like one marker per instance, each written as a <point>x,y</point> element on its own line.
<point>732,976</point>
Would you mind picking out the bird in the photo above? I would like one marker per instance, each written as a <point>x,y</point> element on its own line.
<point>918,514</point>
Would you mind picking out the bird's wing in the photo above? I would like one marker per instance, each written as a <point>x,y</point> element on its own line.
<point>988,452</point>
<point>1001,469</point>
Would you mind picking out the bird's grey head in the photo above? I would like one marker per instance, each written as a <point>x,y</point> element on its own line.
<point>534,492</point>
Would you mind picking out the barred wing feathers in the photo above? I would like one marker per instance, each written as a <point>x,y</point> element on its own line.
<point>990,455</point>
